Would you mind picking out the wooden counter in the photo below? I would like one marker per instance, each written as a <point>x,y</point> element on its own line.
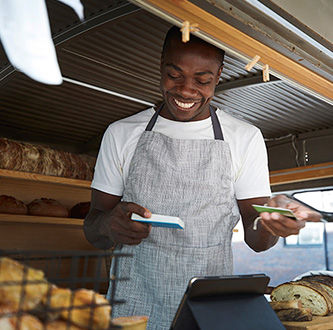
<point>318,323</point>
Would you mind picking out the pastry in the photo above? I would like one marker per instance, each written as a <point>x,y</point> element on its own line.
<point>84,308</point>
<point>60,325</point>
<point>131,322</point>
<point>23,322</point>
<point>15,277</point>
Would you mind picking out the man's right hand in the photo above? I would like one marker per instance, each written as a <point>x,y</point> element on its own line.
<point>109,221</point>
<point>122,228</point>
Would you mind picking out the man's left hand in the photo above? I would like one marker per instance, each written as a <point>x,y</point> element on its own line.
<point>279,225</point>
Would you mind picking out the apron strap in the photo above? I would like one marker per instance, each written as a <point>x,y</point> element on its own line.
<point>216,124</point>
<point>218,135</point>
<point>153,119</point>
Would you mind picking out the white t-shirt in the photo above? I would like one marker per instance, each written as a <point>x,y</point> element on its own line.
<point>248,151</point>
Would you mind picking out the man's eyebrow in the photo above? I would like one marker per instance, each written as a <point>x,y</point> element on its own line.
<point>201,73</point>
<point>177,68</point>
<point>204,73</point>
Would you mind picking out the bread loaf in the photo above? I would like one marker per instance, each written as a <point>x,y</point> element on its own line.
<point>325,281</point>
<point>285,304</point>
<point>26,157</point>
<point>321,278</point>
<point>294,314</point>
<point>47,207</point>
<point>11,205</point>
<point>80,210</point>
<point>312,296</point>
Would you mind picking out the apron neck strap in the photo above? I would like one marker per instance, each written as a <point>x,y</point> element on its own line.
<point>218,135</point>
<point>153,119</point>
<point>216,124</point>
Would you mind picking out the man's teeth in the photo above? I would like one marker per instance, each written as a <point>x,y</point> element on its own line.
<point>184,105</point>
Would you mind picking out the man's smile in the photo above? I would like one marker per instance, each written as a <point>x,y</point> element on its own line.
<point>183,105</point>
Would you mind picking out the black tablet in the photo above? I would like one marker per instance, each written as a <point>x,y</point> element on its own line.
<point>226,302</point>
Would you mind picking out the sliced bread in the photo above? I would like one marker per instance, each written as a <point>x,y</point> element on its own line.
<point>324,281</point>
<point>294,314</point>
<point>312,296</point>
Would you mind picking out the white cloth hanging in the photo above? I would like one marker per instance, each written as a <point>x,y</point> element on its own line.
<point>26,38</point>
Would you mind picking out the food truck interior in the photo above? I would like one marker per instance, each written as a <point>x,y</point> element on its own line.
<point>109,63</point>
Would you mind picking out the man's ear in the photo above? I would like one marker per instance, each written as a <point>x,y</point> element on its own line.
<point>219,74</point>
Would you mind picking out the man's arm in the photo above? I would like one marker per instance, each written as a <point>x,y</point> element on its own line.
<point>259,239</point>
<point>273,225</point>
<point>109,221</point>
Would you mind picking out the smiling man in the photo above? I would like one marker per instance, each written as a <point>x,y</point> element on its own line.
<point>189,160</point>
<point>188,78</point>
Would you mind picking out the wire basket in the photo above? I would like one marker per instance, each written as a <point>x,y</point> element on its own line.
<point>58,289</point>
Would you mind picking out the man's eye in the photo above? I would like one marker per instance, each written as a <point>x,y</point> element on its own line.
<point>171,76</point>
<point>203,82</point>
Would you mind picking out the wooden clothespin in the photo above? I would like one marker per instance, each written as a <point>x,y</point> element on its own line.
<point>252,63</point>
<point>186,29</point>
<point>265,73</point>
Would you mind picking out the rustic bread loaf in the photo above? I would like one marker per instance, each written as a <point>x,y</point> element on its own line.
<point>47,207</point>
<point>11,205</point>
<point>80,210</point>
<point>325,281</point>
<point>11,156</point>
<point>286,304</point>
<point>27,157</point>
<point>294,314</point>
<point>321,278</point>
<point>312,295</point>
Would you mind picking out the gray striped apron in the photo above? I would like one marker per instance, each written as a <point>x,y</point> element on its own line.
<point>190,179</point>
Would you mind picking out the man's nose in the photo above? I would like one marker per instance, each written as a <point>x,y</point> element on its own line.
<point>187,89</point>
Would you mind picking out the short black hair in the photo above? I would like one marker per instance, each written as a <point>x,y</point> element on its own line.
<point>174,33</point>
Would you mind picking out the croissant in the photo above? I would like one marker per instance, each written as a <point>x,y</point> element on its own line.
<point>84,308</point>
<point>60,325</point>
<point>23,322</point>
<point>131,322</point>
<point>21,287</point>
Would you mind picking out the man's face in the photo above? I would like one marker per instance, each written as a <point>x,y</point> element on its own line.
<point>189,75</point>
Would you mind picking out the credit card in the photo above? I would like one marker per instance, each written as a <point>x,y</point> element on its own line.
<point>286,212</point>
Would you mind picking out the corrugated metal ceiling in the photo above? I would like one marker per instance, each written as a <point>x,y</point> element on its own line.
<point>118,49</point>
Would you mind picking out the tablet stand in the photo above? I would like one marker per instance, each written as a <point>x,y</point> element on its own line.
<point>240,312</point>
<point>234,302</point>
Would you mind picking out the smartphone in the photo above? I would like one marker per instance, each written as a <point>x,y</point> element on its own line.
<point>286,212</point>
